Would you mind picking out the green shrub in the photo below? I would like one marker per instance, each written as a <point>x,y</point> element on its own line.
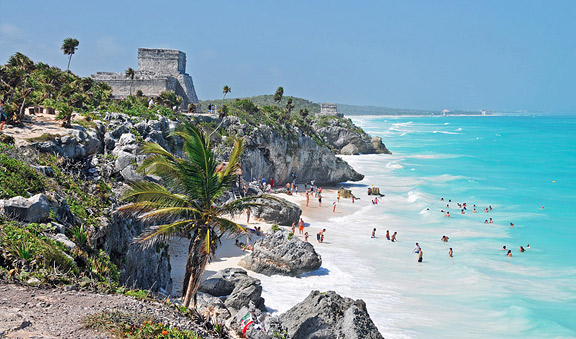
<point>17,178</point>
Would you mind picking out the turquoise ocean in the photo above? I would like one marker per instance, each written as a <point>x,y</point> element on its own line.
<point>516,165</point>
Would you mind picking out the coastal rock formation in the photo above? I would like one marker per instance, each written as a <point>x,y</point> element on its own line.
<point>34,209</point>
<point>270,154</point>
<point>77,144</point>
<point>278,253</point>
<point>349,139</point>
<point>237,286</point>
<point>328,315</point>
<point>281,212</point>
<point>142,267</point>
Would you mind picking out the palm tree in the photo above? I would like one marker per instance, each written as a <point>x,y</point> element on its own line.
<point>130,73</point>
<point>225,91</point>
<point>278,95</point>
<point>186,200</point>
<point>69,47</point>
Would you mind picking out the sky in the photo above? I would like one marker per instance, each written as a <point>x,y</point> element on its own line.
<point>504,55</point>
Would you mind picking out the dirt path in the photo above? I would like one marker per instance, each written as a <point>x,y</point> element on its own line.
<point>28,312</point>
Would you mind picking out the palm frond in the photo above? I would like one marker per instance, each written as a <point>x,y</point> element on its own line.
<point>229,226</point>
<point>172,213</point>
<point>164,232</point>
<point>154,192</point>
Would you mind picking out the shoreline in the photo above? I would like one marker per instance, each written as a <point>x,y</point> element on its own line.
<point>228,255</point>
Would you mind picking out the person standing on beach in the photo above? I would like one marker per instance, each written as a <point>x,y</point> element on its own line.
<point>306,236</point>
<point>319,200</point>
<point>387,235</point>
<point>248,216</point>
<point>294,228</point>
<point>338,196</point>
<point>301,226</point>
<point>307,198</point>
<point>334,207</point>
<point>393,237</point>
<point>450,252</point>
<point>420,256</point>
<point>3,116</point>
<point>374,233</point>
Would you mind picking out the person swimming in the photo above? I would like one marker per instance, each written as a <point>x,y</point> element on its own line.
<point>503,248</point>
<point>444,238</point>
<point>450,252</point>
<point>393,238</point>
<point>387,235</point>
<point>509,253</point>
<point>420,256</point>
<point>373,233</point>
<point>522,249</point>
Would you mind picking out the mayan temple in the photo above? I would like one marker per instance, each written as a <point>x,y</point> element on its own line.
<point>158,70</point>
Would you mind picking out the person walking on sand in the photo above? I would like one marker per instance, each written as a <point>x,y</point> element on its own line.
<point>306,236</point>
<point>334,207</point>
<point>450,252</point>
<point>373,233</point>
<point>248,216</point>
<point>420,256</point>
<point>387,235</point>
<point>393,238</point>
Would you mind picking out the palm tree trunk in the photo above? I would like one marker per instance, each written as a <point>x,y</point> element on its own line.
<point>68,67</point>
<point>195,266</point>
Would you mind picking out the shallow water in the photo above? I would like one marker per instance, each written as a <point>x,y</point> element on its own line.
<point>515,164</point>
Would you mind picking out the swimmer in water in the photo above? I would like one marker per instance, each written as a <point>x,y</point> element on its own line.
<point>522,249</point>
<point>503,248</point>
<point>416,249</point>
<point>388,235</point>
<point>509,253</point>
<point>393,238</point>
<point>374,233</point>
<point>511,224</point>
<point>450,252</point>
<point>447,215</point>
<point>528,246</point>
<point>420,256</point>
<point>444,238</point>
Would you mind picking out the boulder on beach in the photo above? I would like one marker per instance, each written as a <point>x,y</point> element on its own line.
<point>237,286</point>
<point>281,211</point>
<point>279,253</point>
<point>329,315</point>
<point>345,193</point>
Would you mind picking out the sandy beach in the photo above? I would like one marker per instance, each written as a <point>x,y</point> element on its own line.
<point>228,254</point>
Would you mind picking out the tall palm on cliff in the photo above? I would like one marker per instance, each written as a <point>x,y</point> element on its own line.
<point>130,73</point>
<point>69,47</point>
<point>279,94</point>
<point>225,91</point>
<point>186,201</point>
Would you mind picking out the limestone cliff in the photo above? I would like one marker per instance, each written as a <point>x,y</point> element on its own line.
<point>346,138</point>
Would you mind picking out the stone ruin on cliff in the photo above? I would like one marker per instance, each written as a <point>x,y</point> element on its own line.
<point>158,70</point>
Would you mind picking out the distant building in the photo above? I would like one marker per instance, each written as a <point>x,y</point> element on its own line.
<point>158,70</point>
<point>329,109</point>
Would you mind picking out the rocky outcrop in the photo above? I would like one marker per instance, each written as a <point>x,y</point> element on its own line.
<point>269,153</point>
<point>328,315</point>
<point>77,144</point>
<point>237,286</point>
<point>278,253</point>
<point>281,211</point>
<point>146,267</point>
<point>34,209</point>
<point>346,138</point>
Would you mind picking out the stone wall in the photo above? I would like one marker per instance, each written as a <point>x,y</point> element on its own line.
<point>329,109</point>
<point>158,70</point>
<point>161,61</point>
